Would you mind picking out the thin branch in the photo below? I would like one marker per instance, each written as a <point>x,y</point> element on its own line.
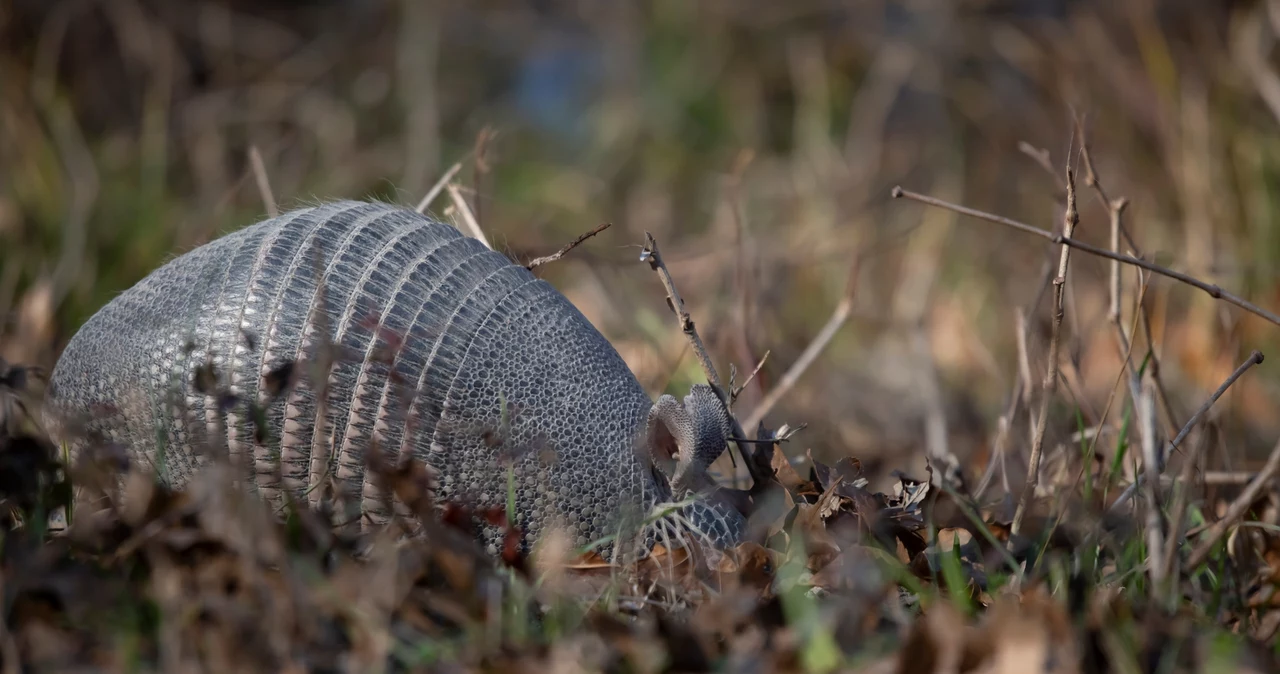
<point>1024,357</point>
<point>1255,358</point>
<point>815,348</point>
<point>1154,366</point>
<point>1087,458</point>
<point>1225,477</point>
<point>1091,179</point>
<point>538,262</point>
<point>1070,219</point>
<point>1212,290</point>
<point>468,217</point>
<point>1041,156</point>
<point>737,390</point>
<point>264,185</point>
<point>1021,387</point>
<point>652,255</point>
<point>1115,210</point>
<point>1236,510</point>
<point>438,188</point>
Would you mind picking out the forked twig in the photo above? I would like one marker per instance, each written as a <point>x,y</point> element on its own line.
<point>468,218</point>
<point>1236,510</point>
<point>652,255</point>
<point>1115,211</point>
<point>1070,219</point>
<point>1209,288</point>
<point>538,262</point>
<point>737,390</point>
<point>1255,358</point>
<point>438,188</point>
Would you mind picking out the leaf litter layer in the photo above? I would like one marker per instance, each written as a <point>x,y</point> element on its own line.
<point>835,577</point>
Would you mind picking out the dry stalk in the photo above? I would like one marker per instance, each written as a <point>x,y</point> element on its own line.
<point>1021,392</point>
<point>1254,359</point>
<point>653,256</point>
<point>1069,221</point>
<point>1236,510</point>
<point>438,188</point>
<point>737,390</point>
<point>1225,477</point>
<point>1152,466</point>
<point>1106,410</point>
<point>1041,157</point>
<point>815,348</point>
<point>1178,511</point>
<point>1209,288</point>
<point>264,184</point>
<point>538,262</point>
<point>1115,211</point>
<point>468,218</point>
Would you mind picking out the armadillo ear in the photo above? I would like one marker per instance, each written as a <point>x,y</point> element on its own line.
<point>668,436</point>
<point>711,427</point>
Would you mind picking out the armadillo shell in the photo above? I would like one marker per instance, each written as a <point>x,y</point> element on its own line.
<point>444,350</point>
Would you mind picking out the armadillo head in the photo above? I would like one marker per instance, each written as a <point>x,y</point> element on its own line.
<point>682,439</point>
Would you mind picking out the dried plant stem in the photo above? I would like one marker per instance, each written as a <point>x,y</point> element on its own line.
<point>1021,387</point>
<point>1178,511</point>
<point>1069,221</point>
<point>1115,211</point>
<point>653,256</point>
<point>1212,290</point>
<point>1220,477</point>
<point>468,218</point>
<point>1152,466</point>
<point>737,390</point>
<point>538,262</point>
<point>438,188</point>
<point>1106,410</point>
<point>811,352</point>
<point>264,184</point>
<point>1254,358</point>
<point>1236,510</point>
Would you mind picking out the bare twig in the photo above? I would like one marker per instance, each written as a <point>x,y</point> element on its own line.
<point>264,184</point>
<point>1227,477</point>
<point>1115,211</point>
<point>1236,510</point>
<point>1041,156</point>
<point>737,390</point>
<point>438,188</point>
<point>468,218</point>
<point>1070,219</point>
<point>1091,179</point>
<point>1024,358</point>
<point>1212,290</point>
<point>813,350</point>
<point>1106,410</point>
<point>1021,393</point>
<point>653,256</point>
<point>1255,358</point>
<point>538,262</point>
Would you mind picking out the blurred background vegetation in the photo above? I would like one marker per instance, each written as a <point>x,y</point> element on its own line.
<point>758,141</point>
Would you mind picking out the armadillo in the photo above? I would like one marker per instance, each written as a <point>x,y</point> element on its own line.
<point>448,352</point>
